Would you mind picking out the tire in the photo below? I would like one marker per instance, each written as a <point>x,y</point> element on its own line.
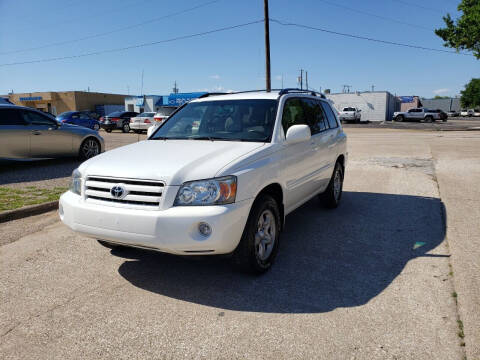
<point>137,131</point>
<point>96,127</point>
<point>109,244</point>
<point>126,127</point>
<point>89,148</point>
<point>108,130</point>
<point>428,119</point>
<point>331,197</point>
<point>399,118</point>
<point>250,255</point>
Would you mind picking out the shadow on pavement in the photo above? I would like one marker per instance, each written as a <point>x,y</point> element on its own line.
<point>327,259</point>
<point>26,171</point>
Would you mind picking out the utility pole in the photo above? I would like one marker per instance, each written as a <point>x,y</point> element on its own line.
<point>306,79</point>
<point>282,81</point>
<point>301,79</point>
<point>175,88</point>
<point>267,47</point>
<point>373,88</point>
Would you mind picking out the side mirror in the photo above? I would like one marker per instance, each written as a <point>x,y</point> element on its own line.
<point>298,133</point>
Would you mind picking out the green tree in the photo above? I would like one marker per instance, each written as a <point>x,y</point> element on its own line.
<point>441,97</point>
<point>464,32</point>
<point>471,95</point>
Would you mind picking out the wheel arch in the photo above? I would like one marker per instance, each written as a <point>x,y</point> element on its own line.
<point>275,190</point>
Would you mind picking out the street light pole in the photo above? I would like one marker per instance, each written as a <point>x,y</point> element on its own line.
<point>267,47</point>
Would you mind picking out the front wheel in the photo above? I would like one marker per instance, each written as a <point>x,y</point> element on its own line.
<point>399,118</point>
<point>108,130</point>
<point>258,246</point>
<point>429,119</point>
<point>333,194</point>
<point>89,148</point>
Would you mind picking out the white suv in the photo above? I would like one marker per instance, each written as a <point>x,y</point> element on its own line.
<point>218,177</point>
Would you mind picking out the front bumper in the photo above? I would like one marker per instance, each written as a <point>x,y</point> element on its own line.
<point>174,230</point>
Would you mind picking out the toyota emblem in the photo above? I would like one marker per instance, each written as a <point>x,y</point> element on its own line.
<point>118,191</point>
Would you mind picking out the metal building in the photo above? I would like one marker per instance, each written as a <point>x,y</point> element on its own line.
<point>451,104</point>
<point>375,105</point>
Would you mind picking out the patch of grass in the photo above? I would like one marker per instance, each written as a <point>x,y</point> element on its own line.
<point>461,334</point>
<point>11,198</point>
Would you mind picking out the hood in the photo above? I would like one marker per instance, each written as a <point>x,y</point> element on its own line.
<point>172,161</point>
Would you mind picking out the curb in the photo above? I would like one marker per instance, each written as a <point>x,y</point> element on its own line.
<point>28,211</point>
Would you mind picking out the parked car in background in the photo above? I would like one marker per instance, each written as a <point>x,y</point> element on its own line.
<point>476,113</point>
<point>117,120</point>
<point>79,118</point>
<point>142,122</point>
<point>350,114</point>
<point>163,113</point>
<point>417,114</point>
<point>442,114</point>
<point>466,112</point>
<point>26,133</point>
<point>92,114</point>
<point>218,177</point>
<point>453,113</point>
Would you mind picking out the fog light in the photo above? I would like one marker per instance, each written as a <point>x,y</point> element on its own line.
<point>204,229</point>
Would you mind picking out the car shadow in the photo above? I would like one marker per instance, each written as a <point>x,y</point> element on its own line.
<point>328,258</point>
<point>12,172</point>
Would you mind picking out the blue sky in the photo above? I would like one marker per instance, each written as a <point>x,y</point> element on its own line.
<point>230,60</point>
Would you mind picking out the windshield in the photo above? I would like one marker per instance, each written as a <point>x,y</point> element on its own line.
<point>65,115</point>
<point>348,109</point>
<point>229,120</point>
<point>146,114</point>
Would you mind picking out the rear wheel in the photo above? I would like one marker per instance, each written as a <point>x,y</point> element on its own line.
<point>331,197</point>
<point>137,131</point>
<point>126,127</point>
<point>89,148</point>
<point>108,130</point>
<point>96,127</point>
<point>258,246</point>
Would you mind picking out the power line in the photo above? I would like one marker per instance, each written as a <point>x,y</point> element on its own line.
<point>375,15</point>
<point>112,31</point>
<point>366,38</point>
<point>419,6</point>
<point>134,46</point>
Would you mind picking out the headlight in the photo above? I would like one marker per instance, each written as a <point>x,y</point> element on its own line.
<point>217,191</point>
<point>76,184</point>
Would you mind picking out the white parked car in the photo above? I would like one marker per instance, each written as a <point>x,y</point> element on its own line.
<point>476,113</point>
<point>163,113</point>
<point>466,112</point>
<point>218,177</point>
<point>142,122</point>
<point>350,114</point>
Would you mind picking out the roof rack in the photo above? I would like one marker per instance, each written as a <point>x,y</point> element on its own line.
<point>212,94</point>
<point>296,90</point>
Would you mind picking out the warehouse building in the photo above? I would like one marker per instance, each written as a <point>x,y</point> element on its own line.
<point>375,105</point>
<point>451,104</point>
<point>57,102</point>
<point>151,103</point>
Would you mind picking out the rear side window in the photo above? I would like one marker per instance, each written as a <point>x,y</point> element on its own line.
<point>332,120</point>
<point>10,117</point>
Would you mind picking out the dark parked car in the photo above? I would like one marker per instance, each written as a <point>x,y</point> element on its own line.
<point>79,118</point>
<point>117,120</point>
<point>443,115</point>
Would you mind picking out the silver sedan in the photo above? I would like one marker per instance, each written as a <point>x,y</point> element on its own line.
<point>26,133</point>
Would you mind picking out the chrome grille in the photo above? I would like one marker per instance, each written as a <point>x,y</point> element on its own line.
<point>142,193</point>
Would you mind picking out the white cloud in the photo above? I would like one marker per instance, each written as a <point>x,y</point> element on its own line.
<point>215,77</point>
<point>278,77</point>
<point>440,91</point>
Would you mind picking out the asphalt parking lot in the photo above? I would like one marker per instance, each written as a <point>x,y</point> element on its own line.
<point>393,273</point>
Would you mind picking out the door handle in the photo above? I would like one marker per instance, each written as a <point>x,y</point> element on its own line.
<point>36,132</point>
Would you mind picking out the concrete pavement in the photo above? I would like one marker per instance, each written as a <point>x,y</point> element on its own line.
<point>369,280</point>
